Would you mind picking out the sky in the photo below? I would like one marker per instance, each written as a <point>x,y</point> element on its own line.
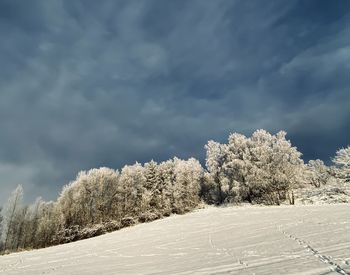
<point>88,83</point>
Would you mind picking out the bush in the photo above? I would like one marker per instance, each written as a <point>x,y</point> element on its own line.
<point>128,221</point>
<point>148,217</point>
<point>76,233</point>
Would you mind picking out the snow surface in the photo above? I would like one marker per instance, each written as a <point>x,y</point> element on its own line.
<point>304,239</point>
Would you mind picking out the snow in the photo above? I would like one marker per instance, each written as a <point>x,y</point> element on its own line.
<point>303,239</point>
<point>332,192</point>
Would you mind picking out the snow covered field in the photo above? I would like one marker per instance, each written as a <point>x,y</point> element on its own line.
<point>233,240</point>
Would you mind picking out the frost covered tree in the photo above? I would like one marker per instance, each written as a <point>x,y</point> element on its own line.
<point>342,163</point>
<point>277,167</point>
<point>41,222</point>
<point>262,168</point>
<point>167,178</point>
<point>139,192</point>
<point>317,173</point>
<point>229,166</point>
<point>29,225</point>
<point>215,189</point>
<point>238,168</point>
<point>32,226</point>
<point>154,185</point>
<point>88,199</point>
<point>188,176</point>
<point>48,225</point>
<point>21,222</point>
<point>67,205</point>
<point>12,216</point>
<point>132,190</point>
<point>101,186</point>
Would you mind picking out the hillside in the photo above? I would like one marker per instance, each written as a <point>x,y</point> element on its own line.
<point>250,240</point>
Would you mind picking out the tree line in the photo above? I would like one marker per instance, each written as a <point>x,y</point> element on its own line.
<point>263,168</point>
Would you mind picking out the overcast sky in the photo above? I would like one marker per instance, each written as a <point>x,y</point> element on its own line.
<point>86,84</point>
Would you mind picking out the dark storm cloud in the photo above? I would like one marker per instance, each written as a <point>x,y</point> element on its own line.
<point>87,83</point>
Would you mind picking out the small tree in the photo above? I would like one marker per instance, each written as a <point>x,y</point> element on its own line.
<point>342,163</point>
<point>317,172</point>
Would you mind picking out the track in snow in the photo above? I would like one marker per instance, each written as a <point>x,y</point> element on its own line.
<point>232,240</point>
<point>323,258</point>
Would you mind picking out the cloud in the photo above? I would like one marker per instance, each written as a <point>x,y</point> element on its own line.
<point>86,84</point>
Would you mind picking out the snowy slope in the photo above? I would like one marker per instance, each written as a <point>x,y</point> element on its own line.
<point>233,240</point>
